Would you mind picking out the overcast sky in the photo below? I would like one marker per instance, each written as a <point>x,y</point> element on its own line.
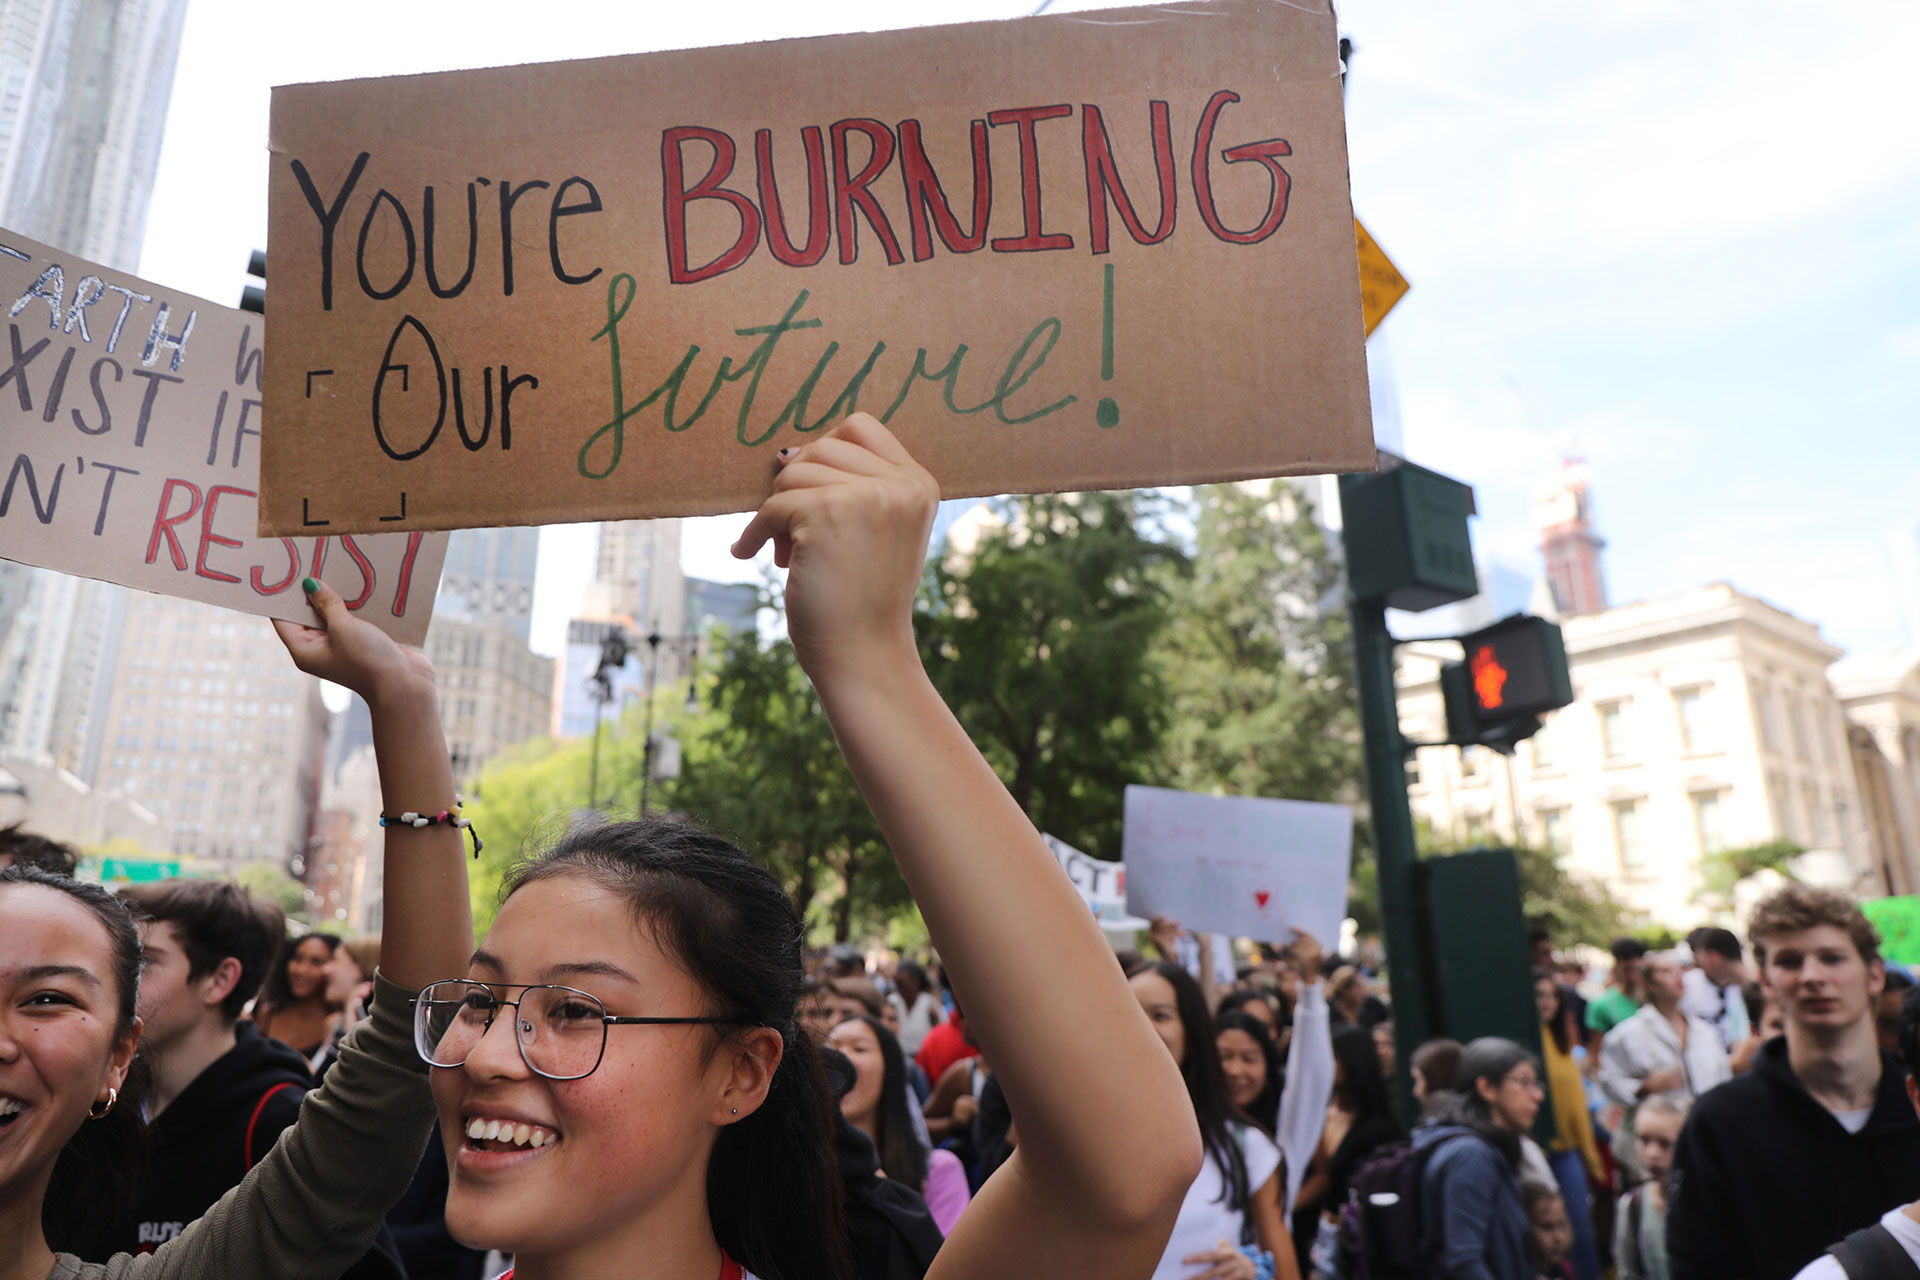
<point>1679,239</point>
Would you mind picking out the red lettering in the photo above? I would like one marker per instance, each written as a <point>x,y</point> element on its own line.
<point>925,196</point>
<point>1261,152</point>
<point>675,197</point>
<point>819,228</point>
<point>209,538</point>
<point>1031,237</point>
<point>366,570</point>
<point>851,191</point>
<point>163,523</point>
<point>319,559</point>
<point>1103,178</point>
<point>406,573</point>
<point>293,571</point>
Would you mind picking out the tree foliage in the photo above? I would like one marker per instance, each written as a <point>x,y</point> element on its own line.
<point>526,797</point>
<point>761,767</point>
<point>1723,869</point>
<point>1260,674</point>
<point>1042,641</point>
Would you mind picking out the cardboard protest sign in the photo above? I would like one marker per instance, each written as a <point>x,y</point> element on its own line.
<point>1239,865</point>
<point>1091,250</point>
<point>129,437</point>
<point>1102,884</point>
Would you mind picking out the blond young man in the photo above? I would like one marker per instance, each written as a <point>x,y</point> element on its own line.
<point>1818,1139</point>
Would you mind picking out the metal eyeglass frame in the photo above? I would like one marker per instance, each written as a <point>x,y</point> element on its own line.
<point>522,1027</point>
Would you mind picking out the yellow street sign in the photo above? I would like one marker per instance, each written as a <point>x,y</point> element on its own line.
<point>1381,284</point>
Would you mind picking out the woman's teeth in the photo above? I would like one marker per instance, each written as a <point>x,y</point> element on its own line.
<point>519,1135</point>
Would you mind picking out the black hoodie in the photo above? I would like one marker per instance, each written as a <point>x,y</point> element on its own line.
<point>221,1125</point>
<point>1765,1178</point>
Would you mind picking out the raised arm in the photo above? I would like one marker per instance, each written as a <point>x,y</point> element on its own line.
<point>1303,1104</point>
<point>429,933</point>
<point>1108,1143</point>
<point>314,1203</point>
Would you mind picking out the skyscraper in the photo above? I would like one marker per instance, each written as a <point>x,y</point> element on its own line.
<point>84,89</point>
<point>1563,517</point>
<point>638,574</point>
<point>488,577</point>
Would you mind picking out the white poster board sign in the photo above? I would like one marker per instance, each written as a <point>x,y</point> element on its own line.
<point>1242,866</point>
<point>1102,884</point>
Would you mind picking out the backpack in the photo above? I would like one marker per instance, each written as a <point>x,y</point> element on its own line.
<point>1872,1253</point>
<point>1381,1228</point>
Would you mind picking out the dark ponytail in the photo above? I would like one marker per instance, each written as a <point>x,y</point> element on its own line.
<point>773,1183</point>
<point>105,1161</point>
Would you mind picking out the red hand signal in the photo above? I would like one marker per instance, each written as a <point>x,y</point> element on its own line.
<point>1489,677</point>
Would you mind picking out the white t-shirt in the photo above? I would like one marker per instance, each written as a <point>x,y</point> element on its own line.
<point>1904,1229</point>
<point>1205,1217</point>
<point>1852,1121</point>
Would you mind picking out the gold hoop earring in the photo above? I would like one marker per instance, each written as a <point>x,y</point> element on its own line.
<point>98,1112</point>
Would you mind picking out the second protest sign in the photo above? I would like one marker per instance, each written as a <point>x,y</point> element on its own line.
<point>1097,250</point>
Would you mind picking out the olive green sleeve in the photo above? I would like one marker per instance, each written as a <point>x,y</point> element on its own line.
<point>315,1203</point>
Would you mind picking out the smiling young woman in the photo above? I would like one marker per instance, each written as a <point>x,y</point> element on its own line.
<point>69,975</point>
<point>663,1116</point>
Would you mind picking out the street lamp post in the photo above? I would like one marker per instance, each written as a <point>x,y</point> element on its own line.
<point>654,640</point>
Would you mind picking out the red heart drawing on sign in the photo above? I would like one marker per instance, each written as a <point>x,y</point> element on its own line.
<point>1260,896</point>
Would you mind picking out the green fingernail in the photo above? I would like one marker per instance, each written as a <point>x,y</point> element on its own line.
<point>309,586</point>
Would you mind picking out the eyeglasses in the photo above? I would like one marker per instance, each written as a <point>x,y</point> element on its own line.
<point>1532,1084</point>
<point>561,1032</point>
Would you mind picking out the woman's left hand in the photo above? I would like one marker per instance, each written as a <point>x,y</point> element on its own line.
<point>1227,1263</point>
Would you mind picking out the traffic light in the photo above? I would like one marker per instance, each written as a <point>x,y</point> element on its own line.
<point>254,297</point>
<point>1514,672</point>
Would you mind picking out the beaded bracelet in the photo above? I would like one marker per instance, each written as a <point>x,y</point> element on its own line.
<point>450,817</point>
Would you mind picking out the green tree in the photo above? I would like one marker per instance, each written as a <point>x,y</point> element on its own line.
<point>263,879</point>
<point>1259,669</point>
<point>1723,869</point>
<point>761,767</point>
<point>524,798</point>
<point>1042,641</point>
<point>1259,663</point>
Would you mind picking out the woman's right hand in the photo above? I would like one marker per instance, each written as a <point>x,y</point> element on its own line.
<point>353,653</point>
<point>1307,955</point>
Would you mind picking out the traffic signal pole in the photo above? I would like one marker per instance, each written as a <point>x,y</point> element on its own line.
<point>1394,849</point>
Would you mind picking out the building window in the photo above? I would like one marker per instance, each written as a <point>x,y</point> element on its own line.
<point>1554,833</point>
<point>1816,815</point>
<point>1613,731</point>
<point>1543,754</point>
<point>1472,764</point>
<point>1696,734</point>
<point>1797,723</point>
<point>1763,714</point>
<point>1627,836</point>
<point>1710,821</point>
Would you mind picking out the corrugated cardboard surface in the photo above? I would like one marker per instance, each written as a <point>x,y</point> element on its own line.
<point>1222,360</point>
<point>128,452</point>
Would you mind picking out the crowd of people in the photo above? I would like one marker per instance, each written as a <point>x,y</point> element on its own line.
<point>681,1089</point>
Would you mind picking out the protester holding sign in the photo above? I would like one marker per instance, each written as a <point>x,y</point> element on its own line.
<point>69,972</point>
<point>585,1146</point>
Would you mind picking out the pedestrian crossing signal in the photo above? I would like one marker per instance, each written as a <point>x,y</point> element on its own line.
<point>1514,672</point>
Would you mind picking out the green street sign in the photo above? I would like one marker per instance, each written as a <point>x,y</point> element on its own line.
<point>138,870</point>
